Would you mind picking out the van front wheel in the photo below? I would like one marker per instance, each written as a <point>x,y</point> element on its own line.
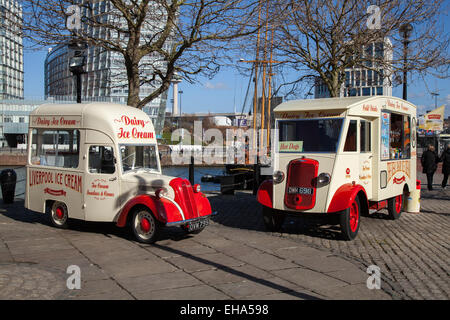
<point>273,219</point>
<point>350,220</point>
<point>145,227</point>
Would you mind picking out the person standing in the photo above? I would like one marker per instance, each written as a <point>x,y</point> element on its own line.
<point>445,158</point>
<point>429,164</point>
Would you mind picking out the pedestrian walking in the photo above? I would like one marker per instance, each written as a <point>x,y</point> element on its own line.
<point>429,164</point>
<point>445,158</point>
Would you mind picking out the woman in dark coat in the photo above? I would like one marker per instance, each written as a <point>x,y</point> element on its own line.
<point>445,158</point>
<point>429,164</point>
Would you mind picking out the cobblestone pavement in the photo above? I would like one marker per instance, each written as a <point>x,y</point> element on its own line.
<point>220,263</point>
<point>412,252</point>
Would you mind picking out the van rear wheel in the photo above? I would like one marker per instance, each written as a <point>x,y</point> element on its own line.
<point>59,215</point>
<point>395,206</point>
<point>144,225</point>
<point>350,220</point>
<point>273,219</point>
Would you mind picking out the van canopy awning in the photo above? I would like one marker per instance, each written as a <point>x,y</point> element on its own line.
<point>319,104</point>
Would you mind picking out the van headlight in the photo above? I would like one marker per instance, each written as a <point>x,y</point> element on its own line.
<point>278,176</point>
<point>323,179</point>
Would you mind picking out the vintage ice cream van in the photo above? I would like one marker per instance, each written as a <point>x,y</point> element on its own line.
<point>100,162</point>
<point>347,157</point>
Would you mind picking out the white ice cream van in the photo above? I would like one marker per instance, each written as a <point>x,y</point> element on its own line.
<point>100,162</point>
<point>345,157</point>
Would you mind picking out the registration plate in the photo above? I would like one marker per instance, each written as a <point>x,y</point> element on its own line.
<point>300,190</point>
<point>199,224</point>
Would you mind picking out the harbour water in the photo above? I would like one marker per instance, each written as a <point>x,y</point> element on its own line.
<point>182,172</point>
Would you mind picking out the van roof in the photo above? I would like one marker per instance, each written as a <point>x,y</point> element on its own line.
<point>125,123</point>
<point>328,103</point>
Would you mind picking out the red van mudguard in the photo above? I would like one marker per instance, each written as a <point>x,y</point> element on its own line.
<point>187,205</point>
<point>344,196</point>
<point>265,193</point>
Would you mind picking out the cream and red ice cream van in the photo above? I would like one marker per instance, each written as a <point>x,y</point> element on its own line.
<point>342,156</point>
<point>100,162</point>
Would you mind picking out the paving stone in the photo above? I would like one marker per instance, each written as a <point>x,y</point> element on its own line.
<point>309,279</point>
<point>123,269</point>
<point>202,292</point>
<point>159,281</point>
<point>266,261</point>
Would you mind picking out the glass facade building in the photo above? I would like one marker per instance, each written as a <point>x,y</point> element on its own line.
<point>369,79</point>
<point>11,50</point>
<point>105,78</point>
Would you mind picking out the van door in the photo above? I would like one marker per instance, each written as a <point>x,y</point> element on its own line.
<point>102,183</point>
<point>366,157</point>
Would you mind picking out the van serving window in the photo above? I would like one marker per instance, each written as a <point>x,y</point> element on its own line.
<point>55,148</point>
<point>399,137</point>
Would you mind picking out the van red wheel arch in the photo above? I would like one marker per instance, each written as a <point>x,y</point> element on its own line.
<point>145,200</point>
<point>265,193</point>
<point>344,197</point>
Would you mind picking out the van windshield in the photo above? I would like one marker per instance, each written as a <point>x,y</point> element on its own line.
<point>315,135</point>
<point>137,157</point>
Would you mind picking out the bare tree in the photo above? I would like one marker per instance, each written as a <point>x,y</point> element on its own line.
<point>321,38</point>
<point>156,39</point>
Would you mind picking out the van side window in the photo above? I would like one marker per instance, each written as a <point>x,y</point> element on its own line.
<point>57,148</point>
<point>101,159</point>
<point>350,141</point>
<point>365,136</point>
<point>399,137</point>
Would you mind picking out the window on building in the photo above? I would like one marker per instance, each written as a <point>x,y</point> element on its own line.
<point>58,148</point>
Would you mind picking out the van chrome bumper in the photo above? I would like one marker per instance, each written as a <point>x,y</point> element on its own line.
<point>179,223</point>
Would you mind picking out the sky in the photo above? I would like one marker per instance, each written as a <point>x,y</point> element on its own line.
<point>226,91</point>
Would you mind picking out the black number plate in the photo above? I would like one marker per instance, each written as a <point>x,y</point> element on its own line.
<point>199,224</point>
<point>300,190</point>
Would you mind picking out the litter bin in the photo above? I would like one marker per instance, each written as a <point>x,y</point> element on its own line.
<point>413,200</point>
<point>8,178</point>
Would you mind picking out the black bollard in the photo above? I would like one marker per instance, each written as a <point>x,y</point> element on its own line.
<point>8,178</point>
<point>191,171</point>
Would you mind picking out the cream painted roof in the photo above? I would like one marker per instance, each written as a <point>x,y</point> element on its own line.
<point>328,103</point>
<point>104,116</point>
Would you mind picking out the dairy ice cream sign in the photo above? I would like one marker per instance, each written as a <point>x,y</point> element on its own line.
<point>134,128</point>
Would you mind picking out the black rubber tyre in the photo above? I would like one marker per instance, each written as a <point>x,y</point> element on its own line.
<point>273,219</point>
<point>350,220</point>
<point>147,231</point>
<point>395,207</point>
<point>59,215</point>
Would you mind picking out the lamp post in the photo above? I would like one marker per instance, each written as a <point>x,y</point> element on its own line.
<point>435,94</point>
<point>77,62</point>
<point>405,32</point>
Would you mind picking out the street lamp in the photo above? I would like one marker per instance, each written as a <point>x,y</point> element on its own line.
<point>405,32</point>
<point>77,62</point>
<point>435,94</point>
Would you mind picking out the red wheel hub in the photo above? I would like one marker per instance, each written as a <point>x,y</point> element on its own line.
<point>59,213</point>
<point>398,203</point>
<point>354,216</point>
<point>145,225</point>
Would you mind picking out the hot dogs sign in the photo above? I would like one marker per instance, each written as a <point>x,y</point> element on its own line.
<point>134,128</point>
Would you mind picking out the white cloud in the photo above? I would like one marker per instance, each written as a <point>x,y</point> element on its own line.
<point>216,86</point>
